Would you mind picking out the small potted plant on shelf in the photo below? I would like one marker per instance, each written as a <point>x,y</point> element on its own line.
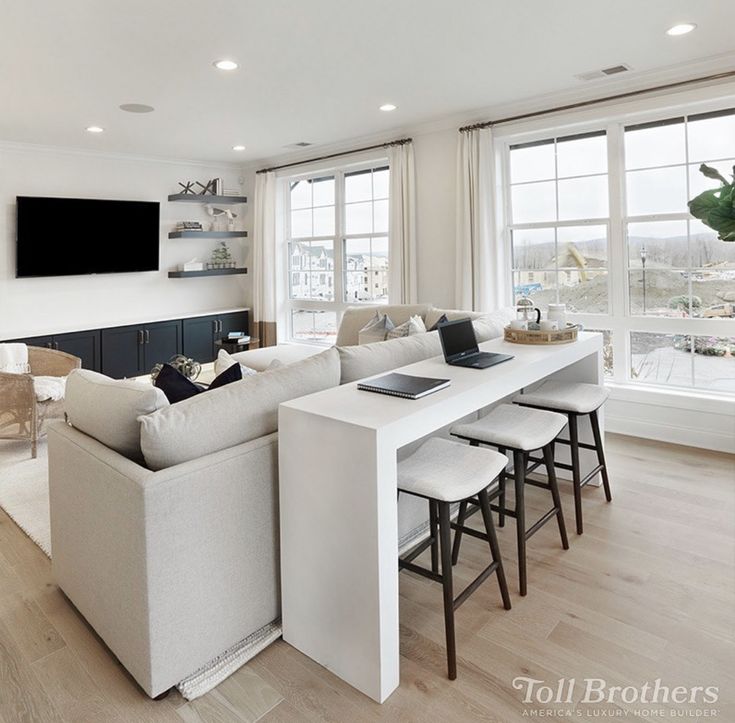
<point>221,257</point>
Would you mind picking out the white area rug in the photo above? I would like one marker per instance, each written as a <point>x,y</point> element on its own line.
<point>24,489</point>
<point>24,496</point>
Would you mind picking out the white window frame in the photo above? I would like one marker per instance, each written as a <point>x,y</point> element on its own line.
<point>619,319</point>
<point>338,305</point>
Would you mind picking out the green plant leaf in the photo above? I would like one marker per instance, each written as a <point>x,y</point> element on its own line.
<point>710,172</point>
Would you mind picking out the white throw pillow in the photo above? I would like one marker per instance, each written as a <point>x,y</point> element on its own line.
<point>225,360</point>
<point>376,329</point>
<point>415,325</point>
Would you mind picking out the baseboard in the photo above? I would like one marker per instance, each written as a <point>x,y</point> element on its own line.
<point>664,432</point>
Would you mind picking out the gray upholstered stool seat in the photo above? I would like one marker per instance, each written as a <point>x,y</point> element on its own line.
<point>574,399</point>
<point>449,471</point>
<point>579,397</point>
<point>443,472</point>
<point>513,427</point>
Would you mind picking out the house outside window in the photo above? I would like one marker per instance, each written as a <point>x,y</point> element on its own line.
<point>337,235</point>
<point>599,221</point>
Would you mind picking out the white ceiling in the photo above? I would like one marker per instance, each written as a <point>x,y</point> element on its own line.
<point>313,70</point>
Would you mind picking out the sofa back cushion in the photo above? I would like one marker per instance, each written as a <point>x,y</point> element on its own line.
<point>362,361</point>
<point>355,317</point>
<point>490,326</point>
<point>108,409</point>
<point>234,414</point>
<point>434,314</point>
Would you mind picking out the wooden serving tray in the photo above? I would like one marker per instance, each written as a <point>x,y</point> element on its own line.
<point>525,336</point>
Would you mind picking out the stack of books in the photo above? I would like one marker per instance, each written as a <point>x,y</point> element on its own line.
<point>189,226</point>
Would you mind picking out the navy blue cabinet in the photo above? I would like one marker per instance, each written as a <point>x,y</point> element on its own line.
<point>84,344</point>
<point>129,351</point>
<point>201,333</point>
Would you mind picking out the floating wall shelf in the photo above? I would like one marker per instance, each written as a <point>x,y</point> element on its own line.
<point>199,198</point>
<point>205,272</point>
<point>207,234</point>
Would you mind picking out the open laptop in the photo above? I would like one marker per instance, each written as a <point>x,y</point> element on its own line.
<point>459,344</point>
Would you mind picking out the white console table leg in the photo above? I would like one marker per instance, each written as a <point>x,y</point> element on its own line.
<point>339,549</point>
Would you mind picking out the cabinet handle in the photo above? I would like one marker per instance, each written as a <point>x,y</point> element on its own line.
<point>140,336</point>
<point>56,345</point>
<point>49,345</point>
<point>219,321</point>
<point>214,325</point>
<point>147,336</point>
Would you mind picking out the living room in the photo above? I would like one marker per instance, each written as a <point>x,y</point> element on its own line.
<point>224,227</point>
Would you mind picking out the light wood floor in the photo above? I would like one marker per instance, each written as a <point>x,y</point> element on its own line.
<point>647,592</point>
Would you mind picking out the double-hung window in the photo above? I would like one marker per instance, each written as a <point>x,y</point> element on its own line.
<point>599,221</point>
<point>337,247</point>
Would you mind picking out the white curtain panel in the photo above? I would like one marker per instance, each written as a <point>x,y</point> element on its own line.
<point>264,258</point>
<point>481,269</point>
<point>403,284</point>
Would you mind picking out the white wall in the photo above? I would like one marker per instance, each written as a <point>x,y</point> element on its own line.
<point>44,305</point>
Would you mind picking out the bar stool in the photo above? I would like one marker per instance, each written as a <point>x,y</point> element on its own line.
<point>574,400</point>
<point>522,431</point>
<point>445,472</point>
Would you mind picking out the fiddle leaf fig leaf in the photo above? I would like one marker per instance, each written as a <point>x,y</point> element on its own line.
<point>710,172</point>
<point>716,207</point>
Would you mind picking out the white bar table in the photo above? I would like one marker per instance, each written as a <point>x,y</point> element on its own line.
<point>338,501</point>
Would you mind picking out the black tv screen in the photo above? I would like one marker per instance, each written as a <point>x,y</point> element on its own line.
<point>72,236</point>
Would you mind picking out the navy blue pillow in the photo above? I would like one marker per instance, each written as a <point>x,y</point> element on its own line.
<point>177,387</point>
<point>440,320</point>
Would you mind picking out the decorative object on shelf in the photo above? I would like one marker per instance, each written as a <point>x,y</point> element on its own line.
<point>193,265</point>
<point>222,218</point>
<point>189,226</point>
<point>212,187</point>
<point>188,188</point>
<point>207,188</point>
<point>189,368</point>
<point>221,257</point>
<point>529,336</point>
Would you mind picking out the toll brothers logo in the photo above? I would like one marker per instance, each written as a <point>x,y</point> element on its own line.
<point>652,700</point>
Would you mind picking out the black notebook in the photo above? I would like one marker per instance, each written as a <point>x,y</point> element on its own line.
<point>404,385</point>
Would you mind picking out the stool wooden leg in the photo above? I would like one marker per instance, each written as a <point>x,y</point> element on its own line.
<point>595,422</point>
<point>576,474</point>
<point>551,474</point>
<point>458,533</point>
<point>501,497</point>
<point>492,538</point>
<point>519,463</point>
<point>433,531</point>
<point>446,555</point>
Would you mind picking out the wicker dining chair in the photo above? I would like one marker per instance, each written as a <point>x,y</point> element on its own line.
<point>21,415</point>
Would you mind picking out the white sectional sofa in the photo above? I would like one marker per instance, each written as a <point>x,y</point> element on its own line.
<point>164,518</point>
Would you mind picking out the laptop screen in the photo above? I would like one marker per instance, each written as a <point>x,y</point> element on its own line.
<point>458,339</point>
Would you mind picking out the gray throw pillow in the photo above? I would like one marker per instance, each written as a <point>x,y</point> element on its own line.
<point>376,329</point>
<point>414,325</point>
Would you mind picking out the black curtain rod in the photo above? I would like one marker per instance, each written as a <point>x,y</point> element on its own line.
<point>399,142</point>
<point>585,103</point>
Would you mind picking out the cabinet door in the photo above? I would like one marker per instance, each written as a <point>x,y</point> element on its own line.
<point>237,321</point>
<point>46,341</point>
<point>84,344</point>
<point>199,336</point>
<point>122,351</point>
<point>162,341</point>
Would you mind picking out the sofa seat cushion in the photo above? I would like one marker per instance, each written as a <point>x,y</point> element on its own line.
<point>108,409</point>
<point>234,414</point>
<point>355,317</point>
<point>261,359</point>
<point>358,362</point>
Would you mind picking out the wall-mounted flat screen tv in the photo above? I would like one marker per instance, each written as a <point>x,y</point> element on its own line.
<point>73,236</point>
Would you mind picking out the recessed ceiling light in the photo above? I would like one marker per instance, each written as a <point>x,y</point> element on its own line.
<point>137,108</point>
<point>681,29</point>
<point>226,64</point>
<point>387,107</point>
<point>238,148</point>
<point>94,129</point>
